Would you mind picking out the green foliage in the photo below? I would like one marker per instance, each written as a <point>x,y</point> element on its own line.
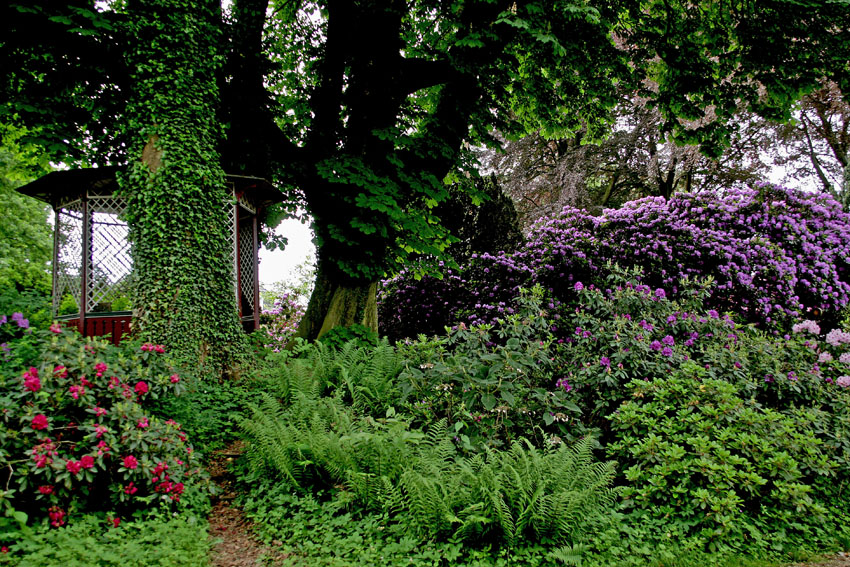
<point>210,411</point>
<point>724,468</point>
<point>503,496</point>
<point>94,540</point>
<point>324,530</point>
<point>520,494</point>
<point>26,239</point>
<point>496,383</point>
<point>359,334</point>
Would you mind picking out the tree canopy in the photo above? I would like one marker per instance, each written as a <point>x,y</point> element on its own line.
<point>364,110</point>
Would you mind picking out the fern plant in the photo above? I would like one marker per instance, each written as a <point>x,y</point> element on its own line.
<point>323,427</point>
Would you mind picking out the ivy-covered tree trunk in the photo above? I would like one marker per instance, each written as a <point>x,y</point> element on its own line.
<point>184,296</point>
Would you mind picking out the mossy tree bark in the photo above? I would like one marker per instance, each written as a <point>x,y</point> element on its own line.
<point>175,186</point>
<point>338,302</point>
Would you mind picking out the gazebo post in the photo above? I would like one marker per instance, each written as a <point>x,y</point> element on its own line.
<point>54,295</point>
<point>87,258</point>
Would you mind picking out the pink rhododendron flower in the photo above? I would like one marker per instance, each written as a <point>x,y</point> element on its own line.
<point>87,461</point>
<point>99,411</point>
<point>60,371</point>
<point>31,381</point>
<point>141,388</point>
<point>116,522</point>
<point>143,423</point>
<point>43,452</point>
<point>74,467</point>
<point>837,337</point>
<point>46,489</point>
<point>100,368</point>
<point>807,325</point>
<point>99,430</point>
<point>130,462</point>
<point>175,378</point>
<point>57,516</point>
<point>39,422</point>
<point>130,489</point>
<point>55,328</point>
<point>160,470</point>
<point>77,391</point>
<point>843,381</point>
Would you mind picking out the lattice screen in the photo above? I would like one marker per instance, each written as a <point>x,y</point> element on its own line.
<point>110,272</point>
<point>246,262</point>
<point>69,256</point>
<point>231,230</point>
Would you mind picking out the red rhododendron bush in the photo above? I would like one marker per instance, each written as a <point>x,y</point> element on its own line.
<point>77,434</point>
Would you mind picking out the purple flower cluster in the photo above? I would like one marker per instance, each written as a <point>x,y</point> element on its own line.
<point>281,321</point>
<point>777,255</point>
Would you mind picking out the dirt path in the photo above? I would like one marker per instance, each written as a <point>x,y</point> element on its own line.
<point>839,560</point>
<point>236,546</point>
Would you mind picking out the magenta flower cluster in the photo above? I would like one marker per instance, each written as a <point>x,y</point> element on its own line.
<point>281,321</point>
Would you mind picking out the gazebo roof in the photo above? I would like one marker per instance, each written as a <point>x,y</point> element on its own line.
<point>58,186</point>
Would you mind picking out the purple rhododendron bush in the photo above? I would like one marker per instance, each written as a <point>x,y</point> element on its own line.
<point>776,255</point>
<point>77,433</point>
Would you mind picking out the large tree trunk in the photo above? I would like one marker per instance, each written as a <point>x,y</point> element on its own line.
<point>184,296</point>
<point>338,302</point>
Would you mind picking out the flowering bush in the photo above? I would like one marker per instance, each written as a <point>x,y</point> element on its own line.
<point>777,255</point>
<point>75,433</point>
<point>281,321</point>
<point>494,383</point>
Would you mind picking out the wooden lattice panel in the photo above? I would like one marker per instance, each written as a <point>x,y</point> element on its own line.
<point>110,271</point>
<point>246,263</point>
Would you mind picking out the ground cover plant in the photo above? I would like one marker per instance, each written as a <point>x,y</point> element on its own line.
<point>729,441</point>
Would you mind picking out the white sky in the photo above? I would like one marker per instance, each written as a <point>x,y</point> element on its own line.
<point>276,265</point>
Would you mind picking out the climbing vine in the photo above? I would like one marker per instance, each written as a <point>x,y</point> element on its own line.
<point>175,185</point>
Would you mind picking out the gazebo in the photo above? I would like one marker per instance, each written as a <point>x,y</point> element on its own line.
<point>92,264</point>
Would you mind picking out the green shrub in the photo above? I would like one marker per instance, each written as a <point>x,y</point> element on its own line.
<point>718,465</point>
